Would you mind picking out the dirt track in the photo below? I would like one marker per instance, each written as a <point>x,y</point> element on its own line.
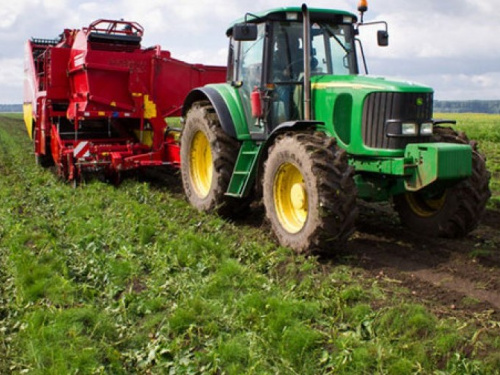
<point>456,276</point>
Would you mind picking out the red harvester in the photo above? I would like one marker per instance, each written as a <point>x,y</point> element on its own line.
<point>96,101</point>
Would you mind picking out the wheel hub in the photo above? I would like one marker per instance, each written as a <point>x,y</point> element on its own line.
<point>298,196</point>
<point>201,164</point>
<point>425,206</point>
<point>290,198</point>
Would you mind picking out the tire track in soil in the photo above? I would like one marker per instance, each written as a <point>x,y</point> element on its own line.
<point>439,271</point>
<point>442,271</point>
<point>409,269</point>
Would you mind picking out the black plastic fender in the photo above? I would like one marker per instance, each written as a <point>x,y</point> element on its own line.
<point>212,95</point>
<point>297,125</point>
<point>293,125</point>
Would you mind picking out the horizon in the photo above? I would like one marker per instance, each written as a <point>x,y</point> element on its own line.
<point>447,106</point>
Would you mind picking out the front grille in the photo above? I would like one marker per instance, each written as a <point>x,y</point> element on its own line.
<point>382,106</point>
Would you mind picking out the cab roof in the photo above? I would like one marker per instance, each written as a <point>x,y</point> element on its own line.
<point>295,14</point>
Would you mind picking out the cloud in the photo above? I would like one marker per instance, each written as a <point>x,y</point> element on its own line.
<point>431,41</point>
<point>469,86</point>
<point>12,69</point>
<point>434,29</point>
<point>7,17</point>
<point>11,74</point>
<point>450,46</point>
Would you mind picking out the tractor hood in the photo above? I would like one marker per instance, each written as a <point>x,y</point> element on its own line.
<point>376,106</point>
<point>365,84</point>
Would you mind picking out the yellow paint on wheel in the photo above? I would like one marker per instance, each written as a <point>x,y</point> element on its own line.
<point>290,198</point>
<point>200,164</point>
<point>425,207</point>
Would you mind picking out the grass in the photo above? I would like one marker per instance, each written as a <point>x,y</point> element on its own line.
<point>486,129</point>
<point>131,280</point>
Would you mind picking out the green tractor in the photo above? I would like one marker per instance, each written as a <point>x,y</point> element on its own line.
<point>298,125</point>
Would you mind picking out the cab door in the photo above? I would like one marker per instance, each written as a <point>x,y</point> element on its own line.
<point>249,72</point>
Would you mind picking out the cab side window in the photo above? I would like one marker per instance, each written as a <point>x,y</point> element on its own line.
<point>249,64</point>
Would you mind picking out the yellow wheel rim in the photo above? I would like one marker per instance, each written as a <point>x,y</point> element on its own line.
<point>200,164</point>
<point>290,198</point>
<point>425,207</point>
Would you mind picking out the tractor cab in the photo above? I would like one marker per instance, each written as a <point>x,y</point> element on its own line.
<point>267,61</point>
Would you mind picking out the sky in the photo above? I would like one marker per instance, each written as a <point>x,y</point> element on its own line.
<point>452,46</point>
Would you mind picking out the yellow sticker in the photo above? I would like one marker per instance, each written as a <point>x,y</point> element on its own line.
<point>149,107</point>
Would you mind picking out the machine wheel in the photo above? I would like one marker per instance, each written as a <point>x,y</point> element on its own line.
<point>309,192</point>
<point>208,156</point>
<point>454,211</point>
<point>44,161</point>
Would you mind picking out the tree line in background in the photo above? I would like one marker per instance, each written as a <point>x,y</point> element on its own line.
<point>11,108</point>
<point>467,106</point>
<point>447,106</point>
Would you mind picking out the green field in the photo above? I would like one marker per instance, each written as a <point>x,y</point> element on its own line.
<point>132,280</point>
<point>484,128</point>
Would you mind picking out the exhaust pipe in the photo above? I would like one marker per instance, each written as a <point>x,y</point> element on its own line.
<point>306,37</point>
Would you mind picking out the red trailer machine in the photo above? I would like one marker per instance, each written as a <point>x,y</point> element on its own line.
<point>96,101</point>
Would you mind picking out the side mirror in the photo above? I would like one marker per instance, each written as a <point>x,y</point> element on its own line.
<point>383,38</point>
<point>245,31</point>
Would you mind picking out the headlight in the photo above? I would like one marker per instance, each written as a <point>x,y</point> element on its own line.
<point>426,128</point>
<point>408,128</point>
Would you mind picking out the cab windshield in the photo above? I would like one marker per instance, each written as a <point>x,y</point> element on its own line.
<point>332,50</point>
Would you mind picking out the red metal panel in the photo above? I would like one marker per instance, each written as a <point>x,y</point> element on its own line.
<point>174,79</point>
<point>57,76</point>
<point>110,89</point>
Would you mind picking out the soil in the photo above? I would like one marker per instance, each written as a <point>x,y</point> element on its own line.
<point>452,276</point>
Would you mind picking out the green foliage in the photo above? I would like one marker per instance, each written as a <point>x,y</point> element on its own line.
<point>69,341</point>
<point>407,321</point>
<point>131,280</point>
<point>484,128</point>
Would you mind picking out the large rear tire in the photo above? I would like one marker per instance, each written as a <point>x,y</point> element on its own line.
<point>309,192</point>
<point>208,156</point>
<point>454,211</point>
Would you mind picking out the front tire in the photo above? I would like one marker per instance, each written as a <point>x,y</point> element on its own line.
<point>208,156</point>
<point>309,192</point>
<point>452,212</point>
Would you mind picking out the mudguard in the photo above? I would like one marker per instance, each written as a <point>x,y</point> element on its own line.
<point>218,103</point>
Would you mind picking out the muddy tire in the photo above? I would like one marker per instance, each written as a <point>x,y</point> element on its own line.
<point>452,212</point>
<point>309,192</point>
<point>208,156</point>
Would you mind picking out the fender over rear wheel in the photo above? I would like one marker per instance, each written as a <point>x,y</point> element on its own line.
<point>208,156</point>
